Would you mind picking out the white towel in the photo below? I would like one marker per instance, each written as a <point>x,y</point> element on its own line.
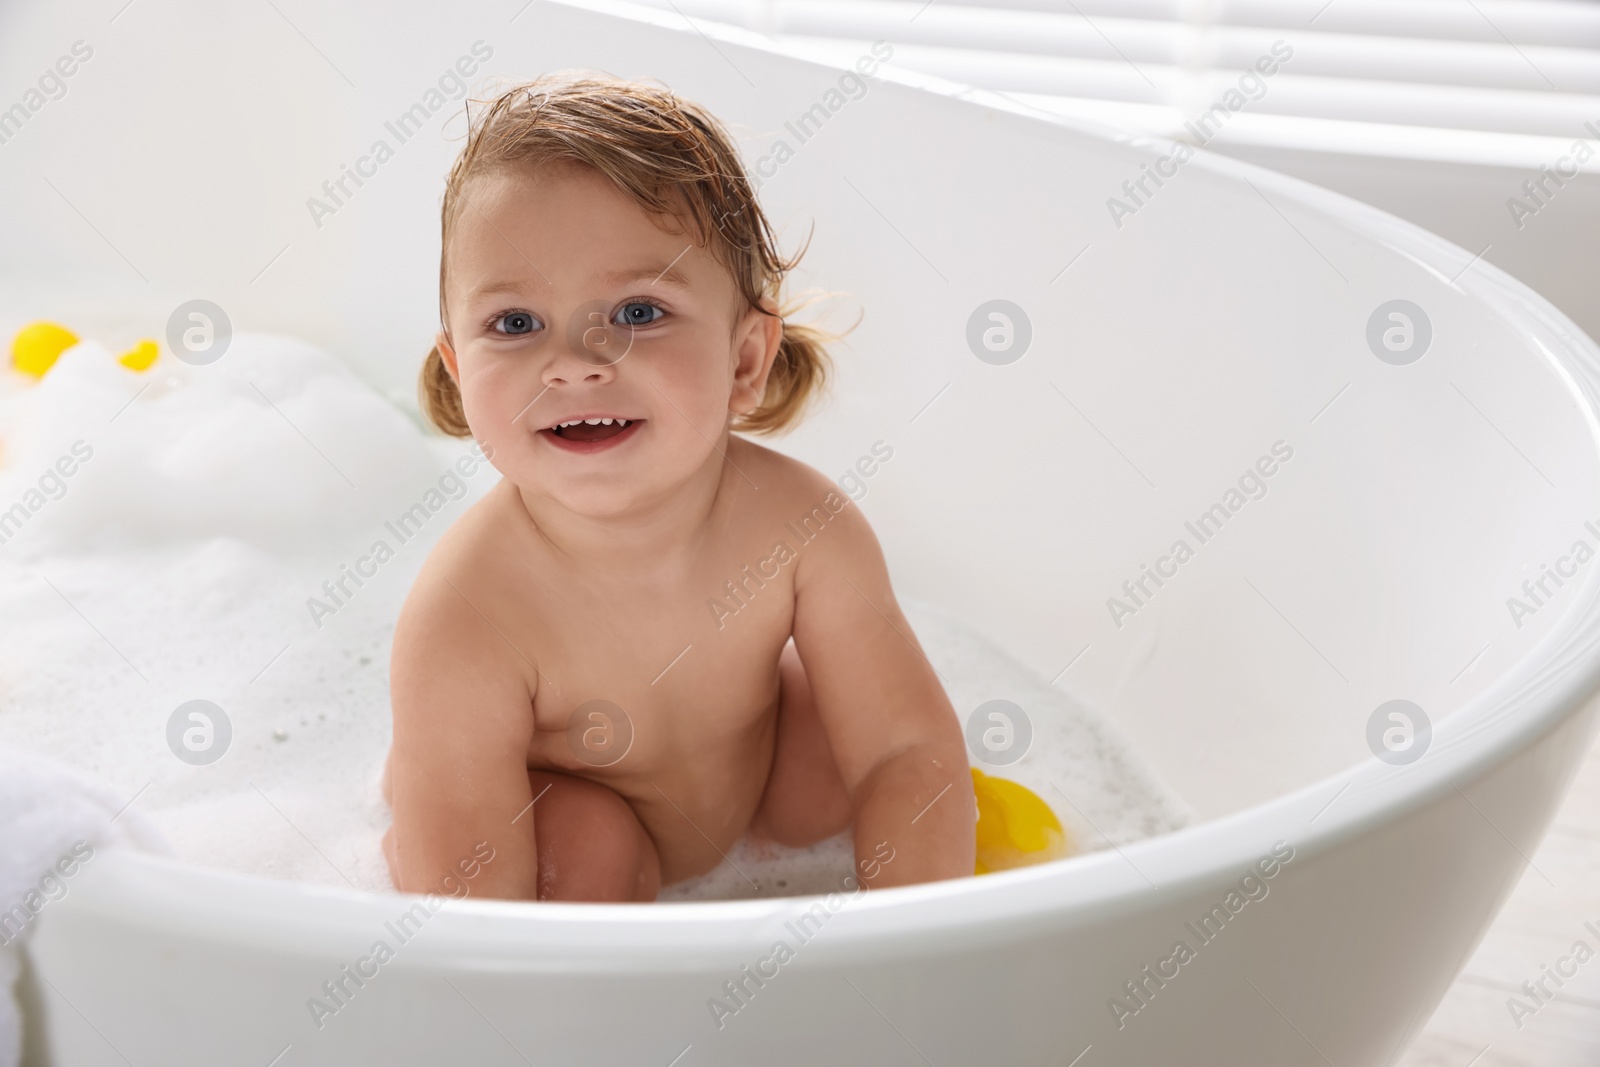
<point>53,823</point>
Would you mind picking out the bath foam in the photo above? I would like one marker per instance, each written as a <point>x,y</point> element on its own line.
<point>179,562</point>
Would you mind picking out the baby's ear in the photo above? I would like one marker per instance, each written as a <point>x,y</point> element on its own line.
<point>756,340</point>
<point>447,353</point>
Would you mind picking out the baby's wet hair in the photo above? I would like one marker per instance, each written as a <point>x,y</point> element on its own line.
<point>676,161</point>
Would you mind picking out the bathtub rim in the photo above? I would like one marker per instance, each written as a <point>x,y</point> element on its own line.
<point>173,898</point>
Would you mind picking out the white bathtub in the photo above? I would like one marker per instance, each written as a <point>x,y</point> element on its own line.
<point>1228,313</point>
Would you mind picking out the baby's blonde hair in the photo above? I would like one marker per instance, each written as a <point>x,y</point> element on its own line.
<point>673,158</point>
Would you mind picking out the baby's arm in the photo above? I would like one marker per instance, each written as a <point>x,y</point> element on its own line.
<point>459,766</point>
<point>893,732</point>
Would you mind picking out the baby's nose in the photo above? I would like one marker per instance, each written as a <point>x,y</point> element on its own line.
<point>594,346</point>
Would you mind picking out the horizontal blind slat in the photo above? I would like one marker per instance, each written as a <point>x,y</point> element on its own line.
<point>1443,64</point>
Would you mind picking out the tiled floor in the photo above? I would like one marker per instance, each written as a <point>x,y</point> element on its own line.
<point>1539,926</point>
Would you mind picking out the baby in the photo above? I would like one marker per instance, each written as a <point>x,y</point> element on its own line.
<point>572,687</point>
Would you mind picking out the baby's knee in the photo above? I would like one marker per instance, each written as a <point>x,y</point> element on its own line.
<point>592,846</point>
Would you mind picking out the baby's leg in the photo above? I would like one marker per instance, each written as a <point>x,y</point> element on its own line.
<point>591,845</point>
<point>805,799</point>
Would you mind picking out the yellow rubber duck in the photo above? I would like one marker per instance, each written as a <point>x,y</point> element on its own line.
<point>140,356</point>
<point>1015,827</point>
<point>38,345</point>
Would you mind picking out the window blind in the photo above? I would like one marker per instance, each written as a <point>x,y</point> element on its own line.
<point>1490,80</point>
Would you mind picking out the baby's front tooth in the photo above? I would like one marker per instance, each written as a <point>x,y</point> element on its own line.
<point>592,422</point>
<point>605,422</point>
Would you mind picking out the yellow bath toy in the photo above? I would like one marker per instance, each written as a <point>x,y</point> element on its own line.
<point>1015,827</point>
<point>37,346</point>
<point>140,356</point>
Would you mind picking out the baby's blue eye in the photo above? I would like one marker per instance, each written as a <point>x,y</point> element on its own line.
<point>637,313</point>
<point>515,322</point>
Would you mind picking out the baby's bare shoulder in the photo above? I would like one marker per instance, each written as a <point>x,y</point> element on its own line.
<point>783,481</point>
<point>802,496</point>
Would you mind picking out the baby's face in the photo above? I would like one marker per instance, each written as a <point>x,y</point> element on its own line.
<point>567,303</point>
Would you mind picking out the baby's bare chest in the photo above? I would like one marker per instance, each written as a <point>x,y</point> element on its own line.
<point>634,680</point>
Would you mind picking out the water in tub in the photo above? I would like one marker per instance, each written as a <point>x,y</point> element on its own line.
<point>243,533</point>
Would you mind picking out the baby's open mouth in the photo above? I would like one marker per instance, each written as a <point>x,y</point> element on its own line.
<point>587,430</point>
<point>591,431</point>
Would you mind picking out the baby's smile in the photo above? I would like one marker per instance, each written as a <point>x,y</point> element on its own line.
<point>591,433</point>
